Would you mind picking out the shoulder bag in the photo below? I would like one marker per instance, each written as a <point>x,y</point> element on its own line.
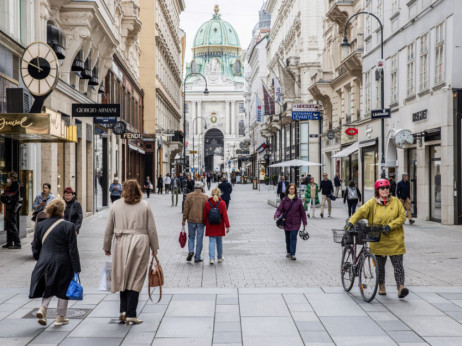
<point>156,277</point>
<point>281,220</point>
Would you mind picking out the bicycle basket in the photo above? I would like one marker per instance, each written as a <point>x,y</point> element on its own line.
<point>370,234</point>
<point>338,235</point>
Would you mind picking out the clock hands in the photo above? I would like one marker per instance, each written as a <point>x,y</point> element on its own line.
<point>37,67</point>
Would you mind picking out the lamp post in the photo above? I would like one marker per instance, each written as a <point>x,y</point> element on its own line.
<point>194,134</point>
<point>345,47</point>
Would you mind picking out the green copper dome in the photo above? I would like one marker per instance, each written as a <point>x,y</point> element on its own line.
<point>216,32</point>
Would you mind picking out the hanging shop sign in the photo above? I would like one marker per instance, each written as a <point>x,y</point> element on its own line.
<point>95,110</point>
<point>119,128</point>
<point>306,112</point>
<point>105,120</point>
<point>37,127</point>
<point>351,131</point>
<point>330,134</point>
<point>422,115</point>
<point>381,113</point>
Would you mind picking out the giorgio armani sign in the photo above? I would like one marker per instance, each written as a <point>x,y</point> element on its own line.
<point>95,110</point>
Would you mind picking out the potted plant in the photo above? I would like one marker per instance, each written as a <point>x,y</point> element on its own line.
<point>275,179</point>
<point>267,180</point>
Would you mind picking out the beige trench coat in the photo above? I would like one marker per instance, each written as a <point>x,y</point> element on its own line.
<point>134,231</point>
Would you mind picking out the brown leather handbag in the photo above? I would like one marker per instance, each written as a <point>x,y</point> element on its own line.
<point>156,277</point>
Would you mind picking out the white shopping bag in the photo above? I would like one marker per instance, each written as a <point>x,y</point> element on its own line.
<point>106,273</point>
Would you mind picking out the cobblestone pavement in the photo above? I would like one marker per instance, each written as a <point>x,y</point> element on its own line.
<point>255,297</point>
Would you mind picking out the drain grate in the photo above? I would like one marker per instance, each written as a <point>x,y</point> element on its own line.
<point>78,314</point>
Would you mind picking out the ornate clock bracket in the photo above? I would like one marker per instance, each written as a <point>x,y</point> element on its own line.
<point>38,103</point>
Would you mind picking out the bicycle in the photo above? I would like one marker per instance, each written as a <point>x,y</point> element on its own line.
<point>363,263</point>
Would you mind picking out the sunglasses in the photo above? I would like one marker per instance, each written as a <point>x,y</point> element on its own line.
<point>384,187</point>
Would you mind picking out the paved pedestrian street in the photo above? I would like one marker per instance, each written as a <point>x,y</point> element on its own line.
<point>256,296</point>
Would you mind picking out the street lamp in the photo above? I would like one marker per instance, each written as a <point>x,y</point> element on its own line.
<point>345,48</point>
<point>194,132</point>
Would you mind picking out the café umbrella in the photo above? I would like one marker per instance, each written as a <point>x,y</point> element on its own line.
<point>296,163</point>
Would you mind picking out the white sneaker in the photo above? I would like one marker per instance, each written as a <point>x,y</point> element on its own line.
<point>212,261</point>
<point>61,321</point>
<point>41,316</point>
<point>220,260</point>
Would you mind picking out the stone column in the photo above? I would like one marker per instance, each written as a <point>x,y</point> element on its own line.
<point>233,117</point>
<point>192,116</point>
<point>227,118</point>
<point>198,114</point>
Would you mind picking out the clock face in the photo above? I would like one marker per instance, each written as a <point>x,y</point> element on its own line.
<point>39,68</point>
<point>403,138</point>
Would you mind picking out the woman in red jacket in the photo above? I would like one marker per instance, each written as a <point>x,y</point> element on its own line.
<point>214,211</point>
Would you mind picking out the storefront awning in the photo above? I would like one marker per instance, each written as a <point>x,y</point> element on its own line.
<point>347,151</point>
<point>132,147</point>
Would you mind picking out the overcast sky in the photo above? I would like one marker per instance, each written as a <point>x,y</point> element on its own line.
<point>241,14</point>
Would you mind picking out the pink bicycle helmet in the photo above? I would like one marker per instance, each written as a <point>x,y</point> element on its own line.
<point>381,182</point>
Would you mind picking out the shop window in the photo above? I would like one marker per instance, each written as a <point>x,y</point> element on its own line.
<point>369,158</point>
<point>435,183</point>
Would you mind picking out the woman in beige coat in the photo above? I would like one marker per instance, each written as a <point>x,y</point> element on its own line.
<point>132,225</point>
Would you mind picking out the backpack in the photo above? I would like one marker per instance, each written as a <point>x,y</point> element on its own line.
<point>214,214</point>
<point>352,193</point>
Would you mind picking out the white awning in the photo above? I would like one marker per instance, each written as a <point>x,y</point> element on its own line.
<point>347,151</point>
<point>132,147</point>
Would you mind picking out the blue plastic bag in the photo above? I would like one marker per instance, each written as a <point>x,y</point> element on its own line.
<point>75,290</point>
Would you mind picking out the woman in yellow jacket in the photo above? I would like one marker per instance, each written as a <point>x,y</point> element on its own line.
<point>388,211</point>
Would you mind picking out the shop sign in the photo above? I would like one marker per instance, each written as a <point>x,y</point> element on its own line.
<point>119,128</point>
<point>381,113</point>
<point>314,135</point>
<point>306,112</point>
<point>351,131</point>
<point>330,134</point>
<point>105,120</point>
<point>422,115</point>
<point>95,110</point>
<point>129,135</point>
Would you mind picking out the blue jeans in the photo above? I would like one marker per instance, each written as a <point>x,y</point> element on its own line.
<point>212,242</point>
<point>291,241</point>
<point>193,229</point>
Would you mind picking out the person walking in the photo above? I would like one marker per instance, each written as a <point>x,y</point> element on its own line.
<point>283,186</point>
<point>337,184</point>
<point>326,189</point>
<point>13,200</point>
<point>116,190</point>
<point>194,213</point>
<point>189,184</point>
<point>55,249</point>
<point>73,212</point>
<point>403,192</point>
<point>292,210</point>
<point>386,210</point>
<point>160,185</point>
<point>352,196</point>
<point>176,185</point>
<point>209,180</point>
<point>131,224</point>
<point>311,197</point>
<point>226,190</point>
<point>392,181</point>
<point>42,200</point>
<point>216,231</point>
<point>148,186</point>
<point>167,182</point>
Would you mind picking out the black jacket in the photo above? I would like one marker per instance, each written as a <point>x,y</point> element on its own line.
<point>12,197</point>
<point>189,186</point>
<point>226,188</point>
<point>58,258</point>
<point>326,187</point>
<point>73,213</point>
<point>160,183</point>
<point>280,187</point>
<point>337,181</point>
<point>403,191</point>
<point>393,187</point>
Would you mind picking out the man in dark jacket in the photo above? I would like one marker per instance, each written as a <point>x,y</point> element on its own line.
<point>73,212</point>
<point>283,187</point>
<point>326,189</point>
<point>403,192</point>
<point>13,200</point>
<point>337,184</point>
<point>392,181</point>
<point>226,189</point>
<point>189,184</point>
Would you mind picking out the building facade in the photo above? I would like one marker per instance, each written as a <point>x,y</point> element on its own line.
<point>161,78</point>
<point>215,121</point>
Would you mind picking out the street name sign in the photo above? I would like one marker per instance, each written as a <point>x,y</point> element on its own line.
<point>380,113</point>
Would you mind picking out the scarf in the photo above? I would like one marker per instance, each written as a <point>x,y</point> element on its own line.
<point>291,196</point>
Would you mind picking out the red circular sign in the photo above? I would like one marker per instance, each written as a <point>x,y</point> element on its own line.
<point>351,131</point>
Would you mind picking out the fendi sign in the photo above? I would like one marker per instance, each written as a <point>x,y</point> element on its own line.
<point>129,135</point>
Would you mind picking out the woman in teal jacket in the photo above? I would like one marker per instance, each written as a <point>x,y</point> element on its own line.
<point>311,197</point>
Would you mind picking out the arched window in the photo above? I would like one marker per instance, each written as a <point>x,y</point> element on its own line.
<point>187,128</point>
<point>241,128</point>
<point>237,68</point>
<point>193,66</point>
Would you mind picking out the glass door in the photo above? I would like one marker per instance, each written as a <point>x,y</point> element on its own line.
<point>412,171</point>
<point>435,183</point>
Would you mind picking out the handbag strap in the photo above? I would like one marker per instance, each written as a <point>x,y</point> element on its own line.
<point>50,229</point>
<point>287,212</point>
<point>150,272</point>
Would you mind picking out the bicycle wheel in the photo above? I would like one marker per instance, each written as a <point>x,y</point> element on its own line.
<point>368,277</point>
<point>346,269</point>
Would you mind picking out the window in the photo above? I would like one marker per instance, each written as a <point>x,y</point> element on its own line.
<point>412,10</point>
<point>423,64</point>
<point>193,66</point>
<point>241,108</point>
<point>187,128</point>
<point>241,128</point>
<point>380,10</point>
<point>410,70</point>
<point>394,6</point>
<point>394,78</point>
<point>186,107</point>
<point>439,54</point>
<point>237,68</point>
<point>367,91</point>
<point>394,25</point>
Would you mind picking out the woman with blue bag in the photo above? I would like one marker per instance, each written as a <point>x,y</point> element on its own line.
<point>55,249</point>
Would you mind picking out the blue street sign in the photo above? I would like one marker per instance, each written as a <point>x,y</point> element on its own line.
<point>229,162</point>
<point>306,115</point>
<point>105,120</point>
